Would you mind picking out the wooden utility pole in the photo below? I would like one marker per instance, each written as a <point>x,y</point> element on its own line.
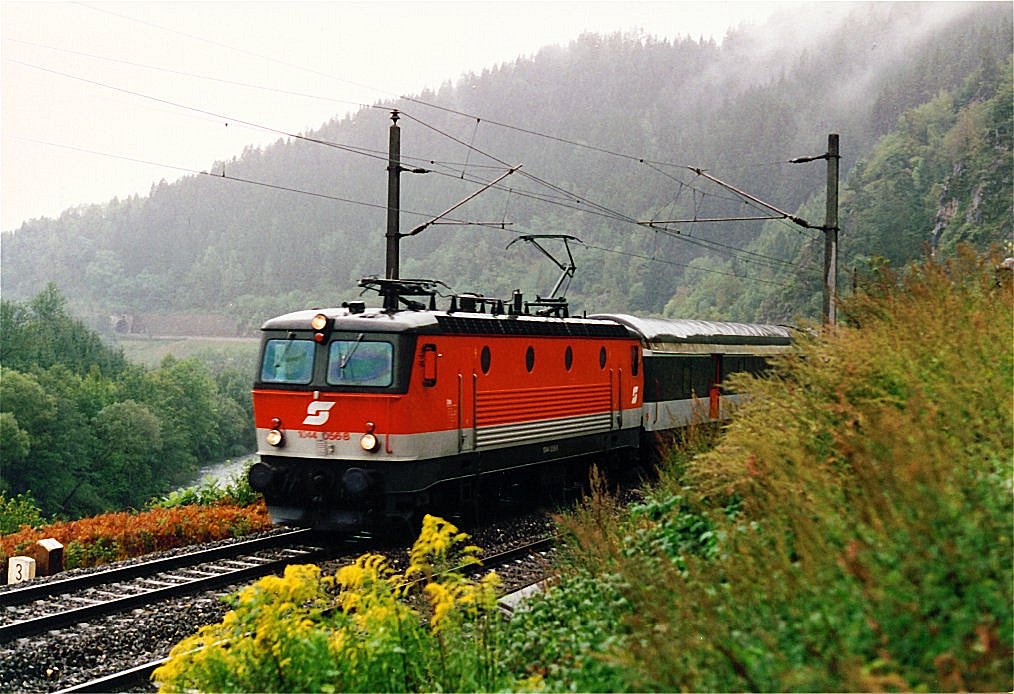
<point>831,234</point>
<point>830,229</point>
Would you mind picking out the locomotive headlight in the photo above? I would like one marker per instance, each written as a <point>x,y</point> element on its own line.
<point>321,325</point>
<point>275,438</point>
<point>368,442</point>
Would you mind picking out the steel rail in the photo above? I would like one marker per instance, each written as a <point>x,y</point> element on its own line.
<point>189,584</point>
<point>118,681</point>
<point>35,590</point>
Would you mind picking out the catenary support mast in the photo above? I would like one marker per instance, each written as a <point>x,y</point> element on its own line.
<point>393,199</point>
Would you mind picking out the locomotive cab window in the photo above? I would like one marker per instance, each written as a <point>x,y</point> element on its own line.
<point>288,361</point>
<point>357,362</point>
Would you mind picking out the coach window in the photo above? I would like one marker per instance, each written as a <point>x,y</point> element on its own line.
<point>530,358</point>
<point>484,360</point>
<point>568,358</point>
<point>602,357</point>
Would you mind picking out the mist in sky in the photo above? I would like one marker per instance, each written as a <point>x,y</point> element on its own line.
<point>101,100</point>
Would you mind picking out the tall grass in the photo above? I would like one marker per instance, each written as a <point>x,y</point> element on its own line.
<point>852,530</point>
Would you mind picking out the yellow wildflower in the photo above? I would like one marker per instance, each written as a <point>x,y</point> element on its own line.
<point>442,600</point>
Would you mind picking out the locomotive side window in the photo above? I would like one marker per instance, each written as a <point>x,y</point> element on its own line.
<point>635,360</point>
<point>359,363</point>
<point>602,358</point>
<point>484,360</point>
<point>287,361</point>
<point>568,358</point>
<point>530,359</point>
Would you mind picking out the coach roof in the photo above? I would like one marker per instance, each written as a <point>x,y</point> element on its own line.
<point>663,330</point>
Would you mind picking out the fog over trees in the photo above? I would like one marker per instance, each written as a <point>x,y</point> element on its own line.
<point>605,130</point>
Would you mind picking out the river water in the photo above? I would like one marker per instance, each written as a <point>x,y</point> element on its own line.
<point>223,471</point>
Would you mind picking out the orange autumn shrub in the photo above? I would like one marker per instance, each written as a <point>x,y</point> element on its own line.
<point>115,536</point>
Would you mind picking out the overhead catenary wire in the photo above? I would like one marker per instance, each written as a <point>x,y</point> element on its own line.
<point>568,199</point>
<point>239,179</point>
<point>563,197</point>
<point>379,154</point>
<point>617,216</point>
<point>688,266</point>
<point>229,119</point>
<point>183,73</point>
<point>477,118</point>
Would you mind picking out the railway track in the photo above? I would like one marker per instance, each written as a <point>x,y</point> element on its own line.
<point>40,607</point>
<point>56,633</point>
<point>519,566</point>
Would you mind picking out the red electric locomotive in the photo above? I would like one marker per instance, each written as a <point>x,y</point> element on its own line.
<point>368,415</point>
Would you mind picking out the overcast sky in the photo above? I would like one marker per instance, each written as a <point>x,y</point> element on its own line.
<point>71,116</point>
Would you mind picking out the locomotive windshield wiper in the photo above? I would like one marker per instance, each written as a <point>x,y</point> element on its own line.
<point>280,360</point>
<point>345,360</point>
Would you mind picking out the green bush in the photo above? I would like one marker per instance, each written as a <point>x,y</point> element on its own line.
<point>236,492</point>
<point>562,640</point>
<point>18,510</point>
<point>95,553</point>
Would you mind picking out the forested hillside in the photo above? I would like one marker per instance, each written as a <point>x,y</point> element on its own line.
<point>83,431</point>
<point>605,130</point>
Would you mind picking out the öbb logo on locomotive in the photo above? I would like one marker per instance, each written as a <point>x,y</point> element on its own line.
<point>317,413</point>
<point>420,409</point>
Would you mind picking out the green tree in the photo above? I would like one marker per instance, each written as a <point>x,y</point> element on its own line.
<point>129,444</point>
<point>186,402</point>
<point>15,444</point>
<point>30,415</point>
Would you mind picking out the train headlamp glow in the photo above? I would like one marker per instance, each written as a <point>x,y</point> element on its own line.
<point>318,322</point>
<point>369,442</point>
<point>275,438</point>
